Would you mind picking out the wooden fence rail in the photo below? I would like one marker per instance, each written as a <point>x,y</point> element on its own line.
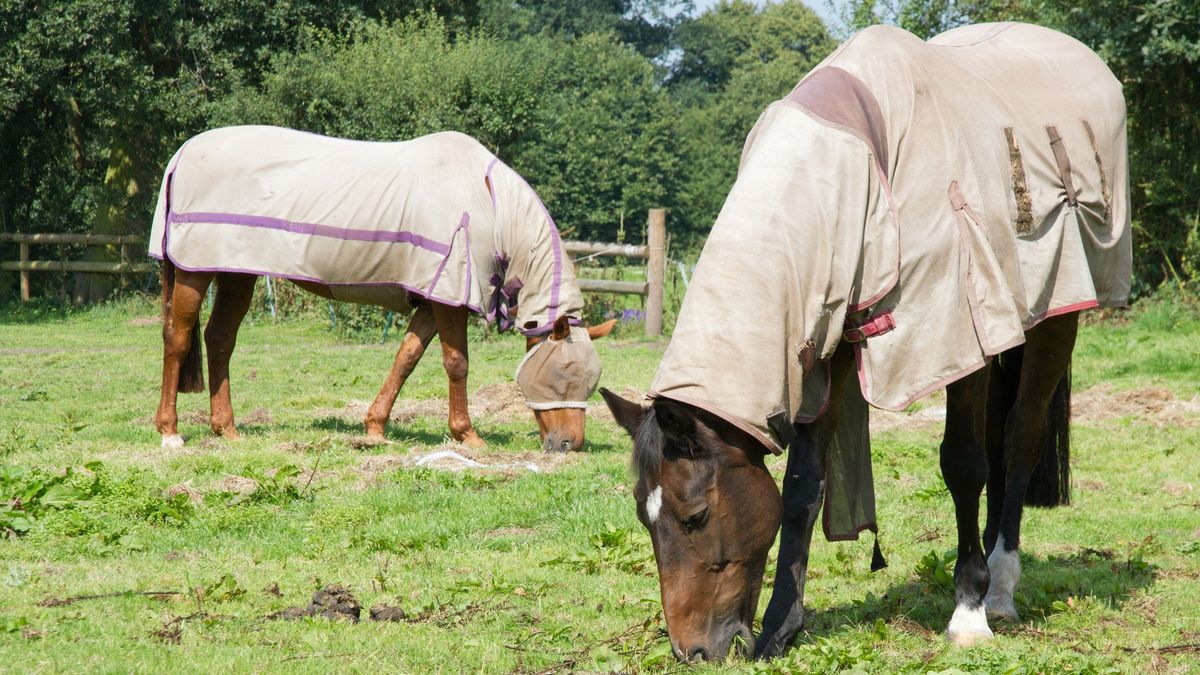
<point>25,265</point>
<point>654,253</point>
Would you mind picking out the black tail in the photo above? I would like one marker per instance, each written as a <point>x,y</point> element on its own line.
<point>1050,483</point>
<point>191,371</point>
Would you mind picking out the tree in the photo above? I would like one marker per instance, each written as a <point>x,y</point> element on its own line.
<point>646,25</point>
<point>95,94</point>
<point>584,121</point>
<point>736,60</point>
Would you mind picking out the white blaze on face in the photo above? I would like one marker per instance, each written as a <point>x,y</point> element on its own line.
<point>654,504</point>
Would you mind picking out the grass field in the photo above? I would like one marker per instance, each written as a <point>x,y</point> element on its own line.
<point>132,558</point>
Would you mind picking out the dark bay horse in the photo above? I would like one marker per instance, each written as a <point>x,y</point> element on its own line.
<point>913,216</point>
<point>436,226</point>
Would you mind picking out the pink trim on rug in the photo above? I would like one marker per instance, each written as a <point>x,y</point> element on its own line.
<point>873,526</point>
<point>1067,309</point>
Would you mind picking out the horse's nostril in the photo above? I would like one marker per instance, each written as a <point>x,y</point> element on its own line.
<point>698,654</point>
<point>565,446</point>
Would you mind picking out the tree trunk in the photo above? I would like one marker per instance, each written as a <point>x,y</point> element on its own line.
<point>114,215</point>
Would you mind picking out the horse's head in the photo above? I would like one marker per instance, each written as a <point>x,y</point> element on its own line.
<point>712,510</point>
<point>558,374</point>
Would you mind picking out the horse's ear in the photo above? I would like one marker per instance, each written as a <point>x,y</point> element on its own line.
<point>627,413</point>
<point>602,330</point>
<point>562,328</point>
<point>676,419</point>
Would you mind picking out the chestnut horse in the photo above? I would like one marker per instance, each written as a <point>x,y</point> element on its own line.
<point>436,226</point>
<point>896,228</point>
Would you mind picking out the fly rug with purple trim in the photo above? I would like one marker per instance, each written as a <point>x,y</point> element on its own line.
<point>913,216</point>
<point>436,226</point>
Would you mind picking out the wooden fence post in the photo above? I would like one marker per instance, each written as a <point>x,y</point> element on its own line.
<point>656,270</point>
<point>24,273</point>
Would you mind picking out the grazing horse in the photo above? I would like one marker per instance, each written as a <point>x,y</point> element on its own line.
<point>913,216</point>
<point>436,226</point>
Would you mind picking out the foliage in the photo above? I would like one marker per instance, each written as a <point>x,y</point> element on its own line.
<point>27,495</point>
<point>611,548</point>
<point>583,121</point>
<point>607,108</point>
<point>736,60</point>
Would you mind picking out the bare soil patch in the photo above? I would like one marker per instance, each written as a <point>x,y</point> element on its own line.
<point>457,457</point>
<point>1101,403</point>
<point>1156,405</point>
<point>193,495</point>
<point>145,321</point>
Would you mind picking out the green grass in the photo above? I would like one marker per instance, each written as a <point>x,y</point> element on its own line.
<point>503,571</point>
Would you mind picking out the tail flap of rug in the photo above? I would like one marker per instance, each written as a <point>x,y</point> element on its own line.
<point>850,488</point>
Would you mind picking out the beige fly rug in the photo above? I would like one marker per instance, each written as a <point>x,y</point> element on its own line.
<point>437,217</point>
<point>926,202</point>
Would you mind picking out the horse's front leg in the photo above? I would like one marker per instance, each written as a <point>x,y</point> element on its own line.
<point>1027,429</point>
<point>452,331</point>
<point>965,470</point>
<point>803,492</point>
<point>421,329</point>
<point>234,293</point>
<point>183,294</point>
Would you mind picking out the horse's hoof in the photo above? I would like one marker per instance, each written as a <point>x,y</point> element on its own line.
<point>473,441</point>
<point>1001,609</point>
<point>968,626</point>
<point>172,441</point>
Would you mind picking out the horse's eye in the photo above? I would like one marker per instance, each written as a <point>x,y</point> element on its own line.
<point>697,521</point>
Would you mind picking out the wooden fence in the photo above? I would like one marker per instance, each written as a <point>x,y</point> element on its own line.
<point>24,266</point>
<point>654,253</point>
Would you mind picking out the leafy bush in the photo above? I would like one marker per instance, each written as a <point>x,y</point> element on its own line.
<point>27,495</point>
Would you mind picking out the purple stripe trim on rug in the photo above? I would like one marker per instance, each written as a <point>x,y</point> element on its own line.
<point>556,246</point>
<point>437,277</point>
<point>313,229</point>
<point>300,277</point>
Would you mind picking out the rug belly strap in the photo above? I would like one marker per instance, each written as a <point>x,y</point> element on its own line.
<point>876,325</point>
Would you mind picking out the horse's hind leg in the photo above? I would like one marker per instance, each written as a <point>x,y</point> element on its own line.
<point>1047,356</point>
<point>420,333</point>
<point>452,330</point>
<point>234,293</point>
<point>183,293</point>
<point>964,468</point>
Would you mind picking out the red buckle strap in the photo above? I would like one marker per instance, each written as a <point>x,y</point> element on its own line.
<point>876,325</point>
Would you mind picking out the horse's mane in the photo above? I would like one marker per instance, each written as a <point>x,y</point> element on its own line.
<point>648,444</point>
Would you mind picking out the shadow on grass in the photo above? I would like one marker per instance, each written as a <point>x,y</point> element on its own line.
<point>1108,576</point>
<point>397,432</point>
